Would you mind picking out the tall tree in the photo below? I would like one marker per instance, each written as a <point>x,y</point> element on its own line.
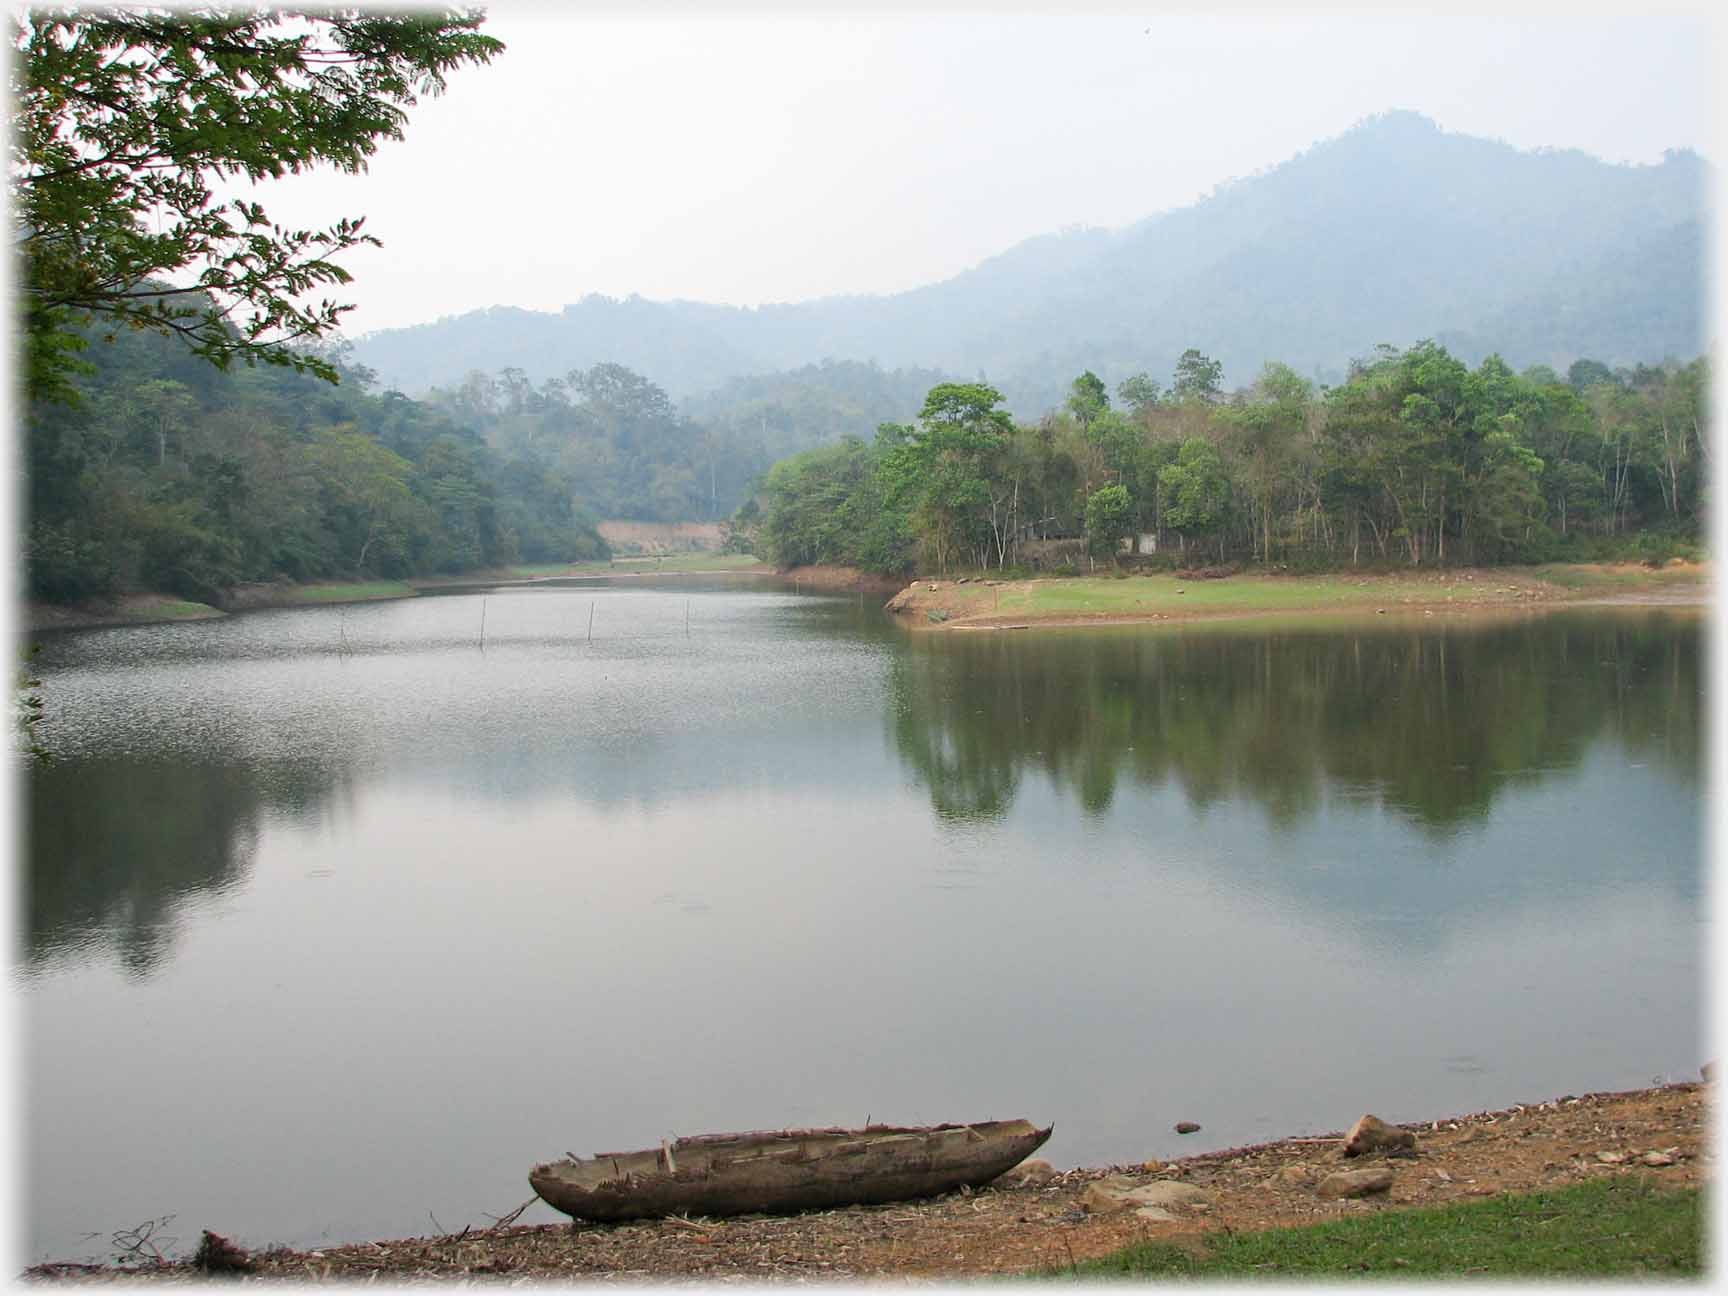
<point>1088,398</point>
<point>1267,433</point>
<point>1197,377</point>
<point>1140,393</point>
<point>1197,489</point>
<point>941,468</point>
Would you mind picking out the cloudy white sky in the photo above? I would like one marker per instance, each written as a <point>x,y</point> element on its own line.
<point>751,156</point>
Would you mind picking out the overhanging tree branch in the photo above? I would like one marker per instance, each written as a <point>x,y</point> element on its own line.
<point>125,120</point>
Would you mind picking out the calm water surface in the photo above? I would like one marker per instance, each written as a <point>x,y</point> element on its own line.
<point>337,920</point>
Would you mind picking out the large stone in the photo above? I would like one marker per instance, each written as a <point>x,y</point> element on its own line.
<point>1355,1183</point>
<point>1032,1172</point>
<point>1371,1134</point>
<point>1187,1127</point>
<point>1156,1214</point>
<point>1120,1193</point>
<point>1106,1196</point>
<point>1167,1192</point>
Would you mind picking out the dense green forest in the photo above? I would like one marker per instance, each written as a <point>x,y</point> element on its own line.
<point>177,435</point>
<point>1414,459</point>
<point>168,474</point>
<point>627,452</point>
<point>155,461</point>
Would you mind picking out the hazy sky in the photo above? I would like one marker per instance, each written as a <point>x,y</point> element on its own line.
<point>758,156</point>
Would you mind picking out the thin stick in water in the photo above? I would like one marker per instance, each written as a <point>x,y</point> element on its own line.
<point>482,623</point>
<point>590,620</point>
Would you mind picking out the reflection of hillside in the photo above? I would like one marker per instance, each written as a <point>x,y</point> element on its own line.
<point>1431,723</point>
<point>114,849</point>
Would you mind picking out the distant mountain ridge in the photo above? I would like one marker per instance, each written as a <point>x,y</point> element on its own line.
<point>1392,232</point>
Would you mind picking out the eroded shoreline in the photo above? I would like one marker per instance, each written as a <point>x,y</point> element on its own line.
<point>984,604</point>
<point>1004,1227</point>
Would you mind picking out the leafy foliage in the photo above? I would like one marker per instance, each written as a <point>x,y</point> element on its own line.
<point>170,476</point>
<point>126,122</point>
<point>1109,518</point>
<point>1417,458</point>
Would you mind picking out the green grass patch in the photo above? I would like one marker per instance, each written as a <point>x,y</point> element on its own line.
<point>344,592</point>
<point>179,610</point>
<point>1147,594</point>
<point>1607,1228</point>
<point>168,609</point>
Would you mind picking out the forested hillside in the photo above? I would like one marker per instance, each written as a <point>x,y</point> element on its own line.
<point>613,437</point>
<point>1394,232</point>
<point>180,437</point>
<point>627,452</point>
<point>168,474</point>
<point>1417,459</point>
<point>814,405</point>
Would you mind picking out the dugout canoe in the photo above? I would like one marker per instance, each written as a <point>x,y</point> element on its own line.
<point>784,1170</point>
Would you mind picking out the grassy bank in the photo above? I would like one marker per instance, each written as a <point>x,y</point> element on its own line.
<point>131,609</point>
<point>154,609</point>
<point>150,609</point>
<point>338,592</point>
<point>1611,1228</point>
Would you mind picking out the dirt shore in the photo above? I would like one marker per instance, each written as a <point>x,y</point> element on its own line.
<point>976,603</point>
<point>846,579</point>
<point>1004,1228</point>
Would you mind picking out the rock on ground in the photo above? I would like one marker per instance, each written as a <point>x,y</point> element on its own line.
<point>1355,1183</point>
<point>1119,1193</point>
<point>1371,1134</point>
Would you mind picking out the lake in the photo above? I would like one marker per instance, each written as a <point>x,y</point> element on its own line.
<point>337,920</point>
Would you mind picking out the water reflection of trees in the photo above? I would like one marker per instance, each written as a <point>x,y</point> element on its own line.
<point>1431,721</point>
<point>115,849</point>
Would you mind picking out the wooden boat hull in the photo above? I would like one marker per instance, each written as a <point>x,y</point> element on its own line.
<point>784,1170</point>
